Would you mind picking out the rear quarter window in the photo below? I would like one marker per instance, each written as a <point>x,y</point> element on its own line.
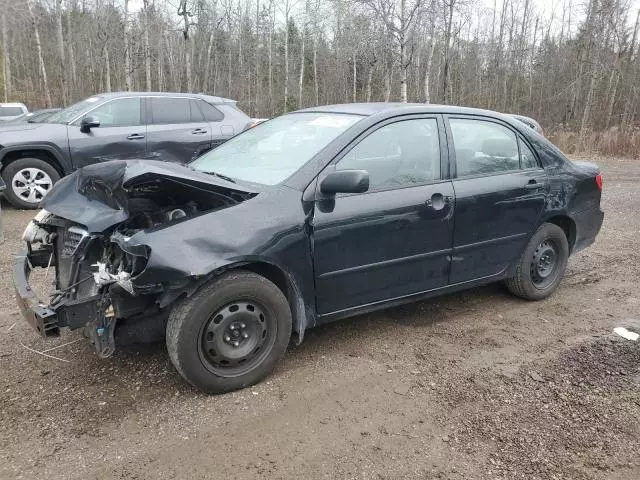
<point>211,113</point>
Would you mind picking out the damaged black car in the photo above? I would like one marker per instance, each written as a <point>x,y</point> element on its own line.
<point>310,217</point>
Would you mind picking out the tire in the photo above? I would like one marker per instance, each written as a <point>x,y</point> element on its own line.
<point>542,264</point>
<point>201,336</point>
<point>28,180</point>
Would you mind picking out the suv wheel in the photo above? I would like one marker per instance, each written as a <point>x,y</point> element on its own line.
<point>230,333</point>
<point>28,180</point>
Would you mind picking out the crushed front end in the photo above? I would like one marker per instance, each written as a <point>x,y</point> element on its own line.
<point>89,235</point>
<point>93,286</point>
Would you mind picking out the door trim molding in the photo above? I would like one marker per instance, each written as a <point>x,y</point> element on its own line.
<point>410,298</point>
<point>489,242</point>
<point>384,263</point>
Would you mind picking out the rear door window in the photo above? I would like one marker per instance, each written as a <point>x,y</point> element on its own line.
<point>483,147</point>
<point>174,110</point>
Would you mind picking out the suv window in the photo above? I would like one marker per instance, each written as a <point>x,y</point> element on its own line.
<point>174,110</point>
<point>483,147</point>
<point>400,154</point>
<point>211,113</point>
<point>121,112</point>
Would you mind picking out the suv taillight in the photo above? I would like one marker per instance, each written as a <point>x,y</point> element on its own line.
<point>599,181</point>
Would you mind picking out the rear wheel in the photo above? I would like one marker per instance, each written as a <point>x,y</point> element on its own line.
<point>28,181</point>
<point>229,334</point>
<point>542,264</point>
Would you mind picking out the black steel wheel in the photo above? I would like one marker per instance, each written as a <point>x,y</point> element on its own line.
<point>237,337</point>
<point>230,333</point>
<point>542,264</point>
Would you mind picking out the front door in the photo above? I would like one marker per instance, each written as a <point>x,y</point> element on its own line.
<point>500,193</point>
<point>395,239</point>
<point>120,136</point>
<point>177,130</point>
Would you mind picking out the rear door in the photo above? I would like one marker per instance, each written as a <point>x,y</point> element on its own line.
<point>500,191</point>
<point>177,130</point>
<point>121,134</point>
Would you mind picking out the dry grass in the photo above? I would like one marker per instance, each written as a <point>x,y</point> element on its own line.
<point>612,142</point>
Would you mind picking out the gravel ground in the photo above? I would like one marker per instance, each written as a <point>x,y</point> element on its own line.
<point>475,385</point>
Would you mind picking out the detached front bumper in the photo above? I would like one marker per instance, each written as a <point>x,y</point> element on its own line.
<point>47,319</point>
<point>40,316</point>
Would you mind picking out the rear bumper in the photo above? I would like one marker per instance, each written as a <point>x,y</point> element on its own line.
<point>588,225</point>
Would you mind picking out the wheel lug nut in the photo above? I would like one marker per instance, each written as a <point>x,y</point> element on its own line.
<point>242,325</point>
<point>245,335</point>
<point>227,338</point>
<point>232,327</point>
<point>236,343</point>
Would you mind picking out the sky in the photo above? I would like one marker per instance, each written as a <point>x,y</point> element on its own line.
<point>544,7</point>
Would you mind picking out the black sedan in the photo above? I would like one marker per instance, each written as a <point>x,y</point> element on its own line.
<point>310,217</point>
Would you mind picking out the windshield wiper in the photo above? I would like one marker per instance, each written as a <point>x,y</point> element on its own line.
<point>219,175</point>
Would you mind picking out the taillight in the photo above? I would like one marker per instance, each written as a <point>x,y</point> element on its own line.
<point>599,181</point>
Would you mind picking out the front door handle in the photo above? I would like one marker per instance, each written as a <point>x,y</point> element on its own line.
<point>198,131</point>
<point>135,136</point>
<point>533,184</point>
<point>437,201</point>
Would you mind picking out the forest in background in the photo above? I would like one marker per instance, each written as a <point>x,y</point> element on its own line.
<point>574,67</point>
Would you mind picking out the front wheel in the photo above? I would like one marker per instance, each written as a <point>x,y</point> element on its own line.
<point>542,264</point>
<point>230,333</point>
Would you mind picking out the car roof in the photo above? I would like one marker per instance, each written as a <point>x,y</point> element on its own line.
<point>207,98</point>
<point>369,109</point>
<point>12,104</point>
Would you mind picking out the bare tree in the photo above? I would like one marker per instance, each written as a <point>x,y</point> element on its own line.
<point>398,15</point>
<point>43,69</point>
<point>128,73</point>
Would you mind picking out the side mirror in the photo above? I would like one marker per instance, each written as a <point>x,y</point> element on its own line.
<point>87,123</point>
<point>345,181</point>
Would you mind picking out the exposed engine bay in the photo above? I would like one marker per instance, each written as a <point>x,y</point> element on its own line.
<point>95,271</point>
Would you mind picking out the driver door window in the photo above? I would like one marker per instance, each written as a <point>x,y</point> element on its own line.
<point>123,112</point>
<point>400,154</point>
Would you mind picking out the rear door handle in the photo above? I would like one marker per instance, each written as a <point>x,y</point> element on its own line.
<point>135,136</point>
<point>198,131</point>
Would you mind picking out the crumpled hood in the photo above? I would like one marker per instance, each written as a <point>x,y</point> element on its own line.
<point>96,196</point>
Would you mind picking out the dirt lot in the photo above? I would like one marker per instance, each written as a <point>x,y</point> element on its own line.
<point>476,385</point>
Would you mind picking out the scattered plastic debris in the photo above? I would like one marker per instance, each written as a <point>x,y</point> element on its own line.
<point>624,333</point>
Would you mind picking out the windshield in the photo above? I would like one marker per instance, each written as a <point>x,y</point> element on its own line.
<point>272,151</point>
<point>70,113</point>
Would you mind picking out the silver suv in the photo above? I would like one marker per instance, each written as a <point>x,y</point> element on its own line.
<point>174,127</point>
